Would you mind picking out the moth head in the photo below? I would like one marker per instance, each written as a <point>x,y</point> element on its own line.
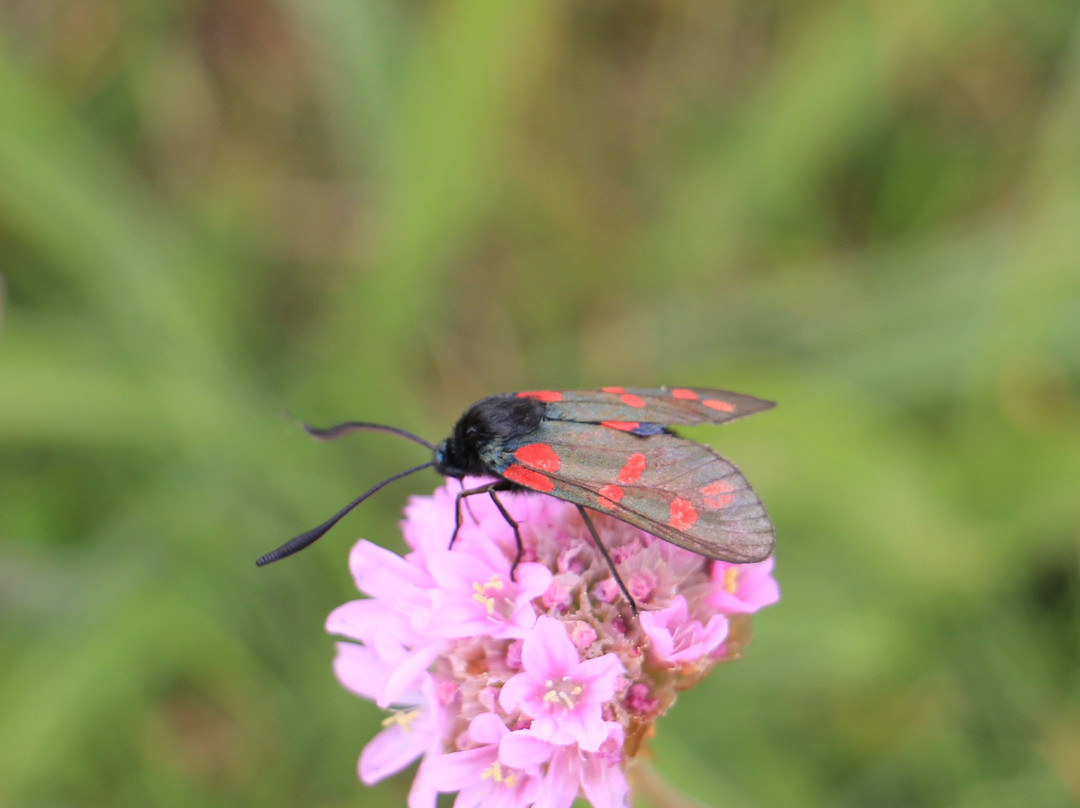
<point>482,430</point>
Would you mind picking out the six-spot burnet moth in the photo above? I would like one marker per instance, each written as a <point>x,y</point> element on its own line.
<point>609,450</point>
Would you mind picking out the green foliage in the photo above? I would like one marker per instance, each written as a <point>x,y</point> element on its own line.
<point>215,213</point>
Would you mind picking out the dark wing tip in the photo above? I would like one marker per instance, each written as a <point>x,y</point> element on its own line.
<point>759,404</point>
<point>762,553</point>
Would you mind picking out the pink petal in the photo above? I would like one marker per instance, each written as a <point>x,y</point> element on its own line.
<point>386,629</point>
<point>407,674</point>
<point>714,634</point>
<point>350,619</point>
<point>455,570</point>
<point>533,579</point>
<point>391,751</point>
<point>428,522</point>
<point>601,674</point>
<point>586,728</point>
<point>674,637</point>
<point>755,587</point>
<point>360,670</point>
<point>516,690</point>
<point>605,786</point>
<point>548,652</point>
<point>457,770</point>
<point>602,776</point>
<point>487,729</point>
<point>380,573</point>
<point>545,727</point>
<point>661,643</point>
<point>422,794</point>
<point>561,783</point>
<point>521,749</point>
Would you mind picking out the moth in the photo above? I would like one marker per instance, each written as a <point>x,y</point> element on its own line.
<point>609,450</point>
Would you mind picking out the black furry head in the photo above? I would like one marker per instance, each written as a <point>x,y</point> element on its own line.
<point>485,425</point>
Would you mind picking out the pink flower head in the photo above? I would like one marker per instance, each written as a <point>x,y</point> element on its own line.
<point>526,687</point>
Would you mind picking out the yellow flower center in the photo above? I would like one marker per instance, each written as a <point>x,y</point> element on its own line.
<point>495,772</point>
<point>565,691</point>
<point>731,580</point>
<point>403,718</point>
<point>490,594</point>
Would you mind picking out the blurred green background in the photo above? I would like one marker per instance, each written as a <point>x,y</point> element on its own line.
<point>213,214</point>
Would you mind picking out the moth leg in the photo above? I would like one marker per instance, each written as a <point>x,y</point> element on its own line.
<point>468,507</point>
<point>463,494</point>
<point>607,557</point>
<point>510,521</point>
<point>490,490</point>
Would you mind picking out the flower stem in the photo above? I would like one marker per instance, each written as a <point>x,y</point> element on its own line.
<point>646,780</point>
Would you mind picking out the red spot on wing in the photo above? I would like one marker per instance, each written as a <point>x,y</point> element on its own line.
<point>612,389</point>
<point>529,478</point>
<point>624,426</point>
<point>631,472</point>
<point>682,392</point>
<point>543,395</point>
<point>717,404</point>
<point>719,494</point>
<point>630,400</point>
<point>683,514</point>
<point>609,496</point>
<point>539,456</point>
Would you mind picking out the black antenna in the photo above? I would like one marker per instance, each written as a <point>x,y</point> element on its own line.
<point>336,431</point>
<point>298,543</point>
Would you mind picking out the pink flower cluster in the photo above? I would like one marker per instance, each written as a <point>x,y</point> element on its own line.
<point>534,689</point>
